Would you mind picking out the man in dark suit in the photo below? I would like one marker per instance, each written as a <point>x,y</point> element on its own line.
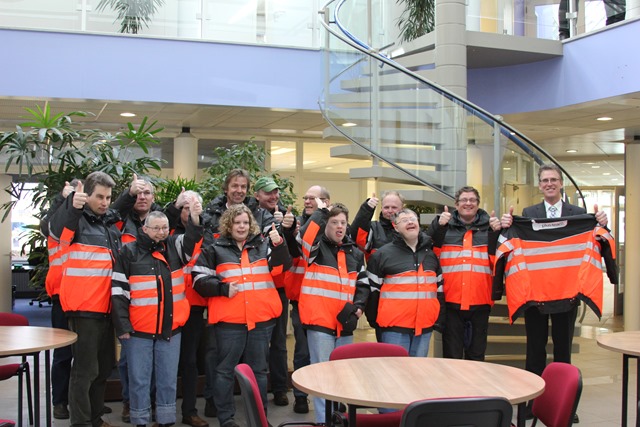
<point>536,319</point>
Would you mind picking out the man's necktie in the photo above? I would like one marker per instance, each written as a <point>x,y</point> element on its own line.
<point>553,212</point>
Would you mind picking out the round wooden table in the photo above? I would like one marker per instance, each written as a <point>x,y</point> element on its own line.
<point>30,341</point>
<point>627,343</point>
<point>394,382</point>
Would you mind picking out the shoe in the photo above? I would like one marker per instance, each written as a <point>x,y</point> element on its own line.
<point>194,421</point>
<point>280,398</point>
<point>210,409</point>
<point>60,412</point>
<point>106,410</point>
<point>301,405</point>
<point>576,419</point>
<point>126,417</point>
<point>230,423</point>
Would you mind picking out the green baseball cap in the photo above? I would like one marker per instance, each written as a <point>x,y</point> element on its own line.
<point>265,184</point>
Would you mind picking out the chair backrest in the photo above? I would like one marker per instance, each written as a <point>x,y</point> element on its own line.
<point>368,349</point>
<point>559,402</point>
<point>464,411</point>
<point>12,319</point>
<point>251,396</point>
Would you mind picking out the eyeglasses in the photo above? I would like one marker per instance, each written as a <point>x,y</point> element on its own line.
<point>406,220</point>
<point>156,229</point>
<point>307,198</point>
<point>549,180</point>
<point>472,201</point>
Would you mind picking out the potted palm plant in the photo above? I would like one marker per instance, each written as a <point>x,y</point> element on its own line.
<point>417,19</point>
<point>133,14</point>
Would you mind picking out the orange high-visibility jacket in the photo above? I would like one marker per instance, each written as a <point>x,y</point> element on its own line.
<point>148,290</point>
<point>408,285</point>
<point>251,269</point>
<point>334,275</point>
<point>551,262</point>
<point>370,235</point>
<point>463,253</point>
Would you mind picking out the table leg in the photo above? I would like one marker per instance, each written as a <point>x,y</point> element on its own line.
<point>47,384</point>
<point>328,411</point>
<point>352,415</point>
<point>36,389</point>
<point>637,390</point>
<point>522,414</point>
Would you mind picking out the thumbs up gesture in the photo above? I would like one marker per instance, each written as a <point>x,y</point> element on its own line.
<point>289,219</point>
<point>373,201</point>
<point>601,216</point>
<point>445,216</point>
<point>507,218</point>
<point>195,209</point>
<point>277,215</point>
<point>494,221</point>
<point>275,237</point>
<point>79,197</point>
<point>137,185</point>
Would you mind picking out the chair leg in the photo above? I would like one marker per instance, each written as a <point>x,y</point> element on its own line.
<point>29,396</point>
<point>20,398</point>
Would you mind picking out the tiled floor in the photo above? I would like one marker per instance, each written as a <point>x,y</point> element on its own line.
<point>600,404</point>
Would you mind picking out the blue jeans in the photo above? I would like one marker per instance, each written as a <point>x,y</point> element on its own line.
<point>321,345</point>
<point>278,366</point>
<point>235,344</point>
<point>301,348</point>
<point>417,346</point>
<point>145,357</point>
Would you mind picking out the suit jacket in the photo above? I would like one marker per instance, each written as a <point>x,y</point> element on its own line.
<point>539,211</point>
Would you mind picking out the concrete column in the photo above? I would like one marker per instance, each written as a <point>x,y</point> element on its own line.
<point>632,238</point>
<point>5,250</point>
<point>185,155</point>
<point>451,45</point>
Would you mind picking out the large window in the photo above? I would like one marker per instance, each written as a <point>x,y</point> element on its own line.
<point>21,217</point>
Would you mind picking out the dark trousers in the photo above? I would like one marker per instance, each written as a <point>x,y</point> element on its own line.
<point>62,357</point>
<point>537,328</point>
<point>457,327</point>
<point>278,366</point>
<point>211,361</point>
<point>301,355</point>
<point>191,335</point>
<point>93,359</point>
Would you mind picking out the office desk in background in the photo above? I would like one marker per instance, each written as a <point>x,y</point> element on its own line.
<point>394,382</point>
<point>30,341</point>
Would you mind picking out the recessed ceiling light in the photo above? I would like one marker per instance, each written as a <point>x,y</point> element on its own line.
<point>506,169</point>
<point>589,163</point>
<point>127,114</point>
<point>614,179</point>
<point>604,119</point>
<point>595,167</point>
<point>329,168</point>
<point>606,173</point>
<point>571,150</point>
<point>349,124</point>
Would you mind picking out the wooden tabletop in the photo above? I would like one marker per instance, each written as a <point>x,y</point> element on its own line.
<point>16,340</point>
<point>627,342</point>
<point>394,382</point>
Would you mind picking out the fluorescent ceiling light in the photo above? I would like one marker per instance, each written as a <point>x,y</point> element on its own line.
<point>571,150</point>
<point>595,167</point>
<point>127,114</point>
<point>604,119</point>
<point>349,124</point>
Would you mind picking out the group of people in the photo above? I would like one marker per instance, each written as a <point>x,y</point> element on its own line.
<point>240,261</point>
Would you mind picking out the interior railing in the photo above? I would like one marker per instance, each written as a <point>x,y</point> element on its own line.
<point>414,128</point>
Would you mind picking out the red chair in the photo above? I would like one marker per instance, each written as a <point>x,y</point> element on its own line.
<point>369,349</point>
<point>467,411</point>
<point>558,404</point>
<point>17,369</point>
<point>250,392</point>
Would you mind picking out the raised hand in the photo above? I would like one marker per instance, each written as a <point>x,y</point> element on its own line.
<point>79,197</point>
<point>275,237</point>
<point>601,216</point>
<point>181,200</point>
<point>289,219</point>
<point>195,210</point>
<point>445,216</point>
<point>67,189</point>
<point>494,221</point>
<point>277,215</point>
<point>373,201</point>
<point>137,185</point>
<point>507,218</point>
<point>321,204</point>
